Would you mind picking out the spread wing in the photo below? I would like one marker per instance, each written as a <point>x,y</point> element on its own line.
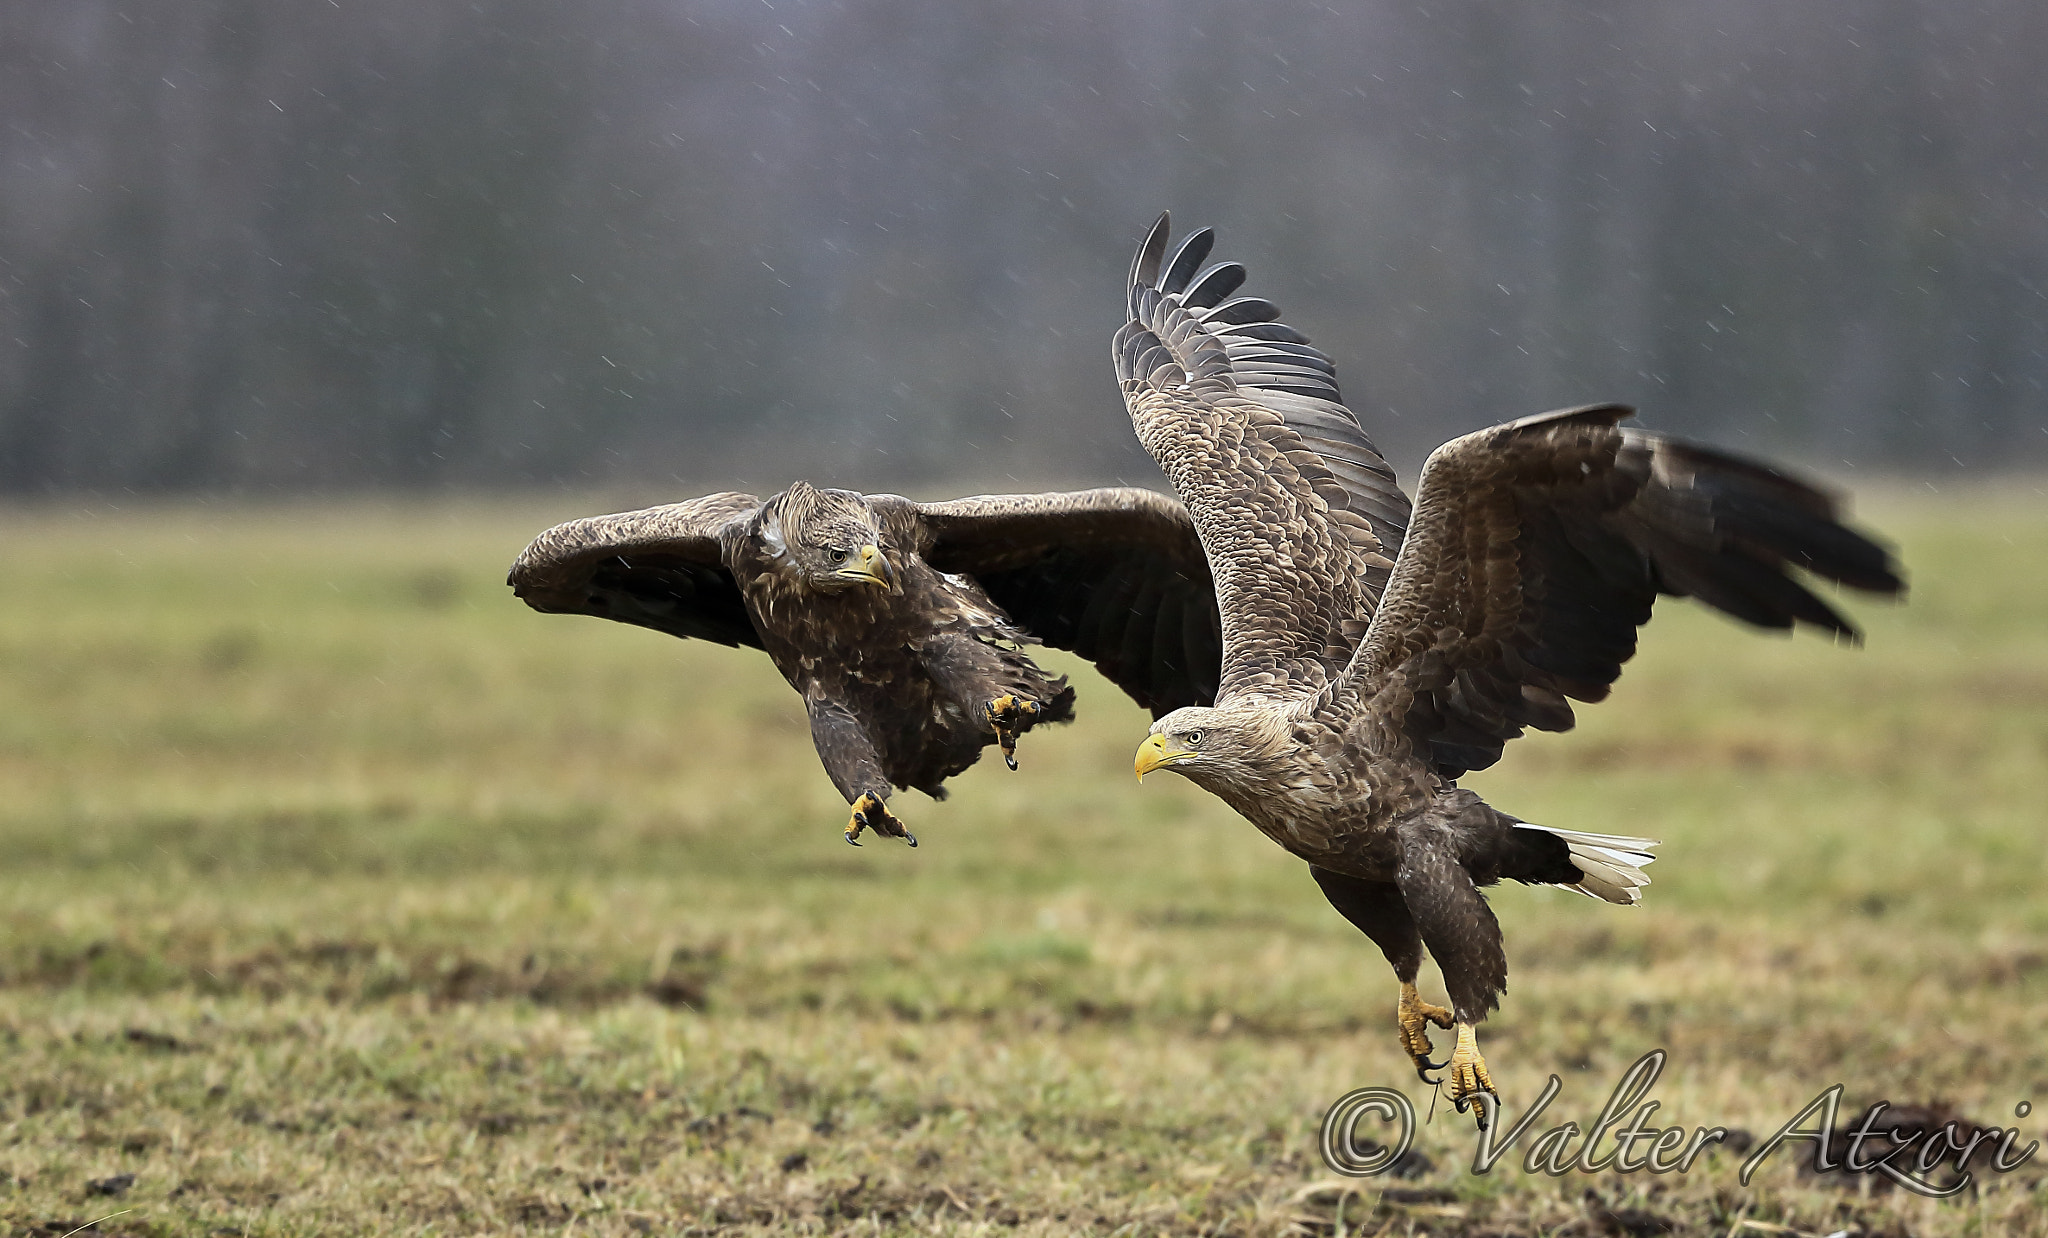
<point>1298,513</point>
<point>660,568</point>
<point>1536,551</point>
<point>1116,575</point>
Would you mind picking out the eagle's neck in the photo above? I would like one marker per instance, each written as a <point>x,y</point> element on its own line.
<point>767,547</point>
<point>768,573</point>
<point>1290,777</point>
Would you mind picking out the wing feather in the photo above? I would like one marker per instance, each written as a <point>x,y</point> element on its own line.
<point>1299,515</point>
<point>1180,270</point>
<point>1537,549</point>
<point>1214,284</point>
<point>661,568</point>
<point>1116,575</point>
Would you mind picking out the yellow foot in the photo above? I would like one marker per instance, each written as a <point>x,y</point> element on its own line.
<point>870,813</point>
<point>1468,1077</point>
<point>1003,714</point>
<point>1414,1017</point>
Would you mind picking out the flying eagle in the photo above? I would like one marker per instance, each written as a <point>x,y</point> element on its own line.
<point>904,625</point>
<point>1372,655</point>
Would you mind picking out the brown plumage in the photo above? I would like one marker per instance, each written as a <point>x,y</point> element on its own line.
<point>1372,654</point>
<point>904,625</point>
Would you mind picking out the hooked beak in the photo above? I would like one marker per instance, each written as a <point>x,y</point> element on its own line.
<point>1156,753</point>
<point>869,566</point>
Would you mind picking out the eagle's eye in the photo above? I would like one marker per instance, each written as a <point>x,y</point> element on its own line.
<point>838,554</point>
<point>1194,739</point>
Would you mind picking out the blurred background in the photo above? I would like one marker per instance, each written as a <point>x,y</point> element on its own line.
<point>260,247</point>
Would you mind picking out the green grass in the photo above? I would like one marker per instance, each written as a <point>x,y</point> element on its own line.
<point>344,894</point>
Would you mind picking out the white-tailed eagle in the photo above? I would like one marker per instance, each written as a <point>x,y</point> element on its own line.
<point>1371,654</point>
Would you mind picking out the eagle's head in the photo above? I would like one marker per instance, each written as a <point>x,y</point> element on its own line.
<point>1218,749</point>
<point>829,540</point>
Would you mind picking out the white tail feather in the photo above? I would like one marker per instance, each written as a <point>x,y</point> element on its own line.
<point>1611,865</point>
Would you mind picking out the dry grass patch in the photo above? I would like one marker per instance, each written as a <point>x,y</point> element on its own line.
<point>344,895</point>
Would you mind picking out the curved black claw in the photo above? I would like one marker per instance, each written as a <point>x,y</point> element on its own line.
<point>1423,1068</point>
<point>1478,1104</point>
<point>1487,1104</point>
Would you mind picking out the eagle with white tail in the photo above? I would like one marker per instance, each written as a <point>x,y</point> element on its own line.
<point>1373,654</point>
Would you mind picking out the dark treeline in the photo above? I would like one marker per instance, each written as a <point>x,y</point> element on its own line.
<point>267,244</point>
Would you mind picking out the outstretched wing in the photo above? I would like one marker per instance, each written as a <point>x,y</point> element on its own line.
<point>1116,575</point>
<point>1536,551</point>
<point>1298,513</point>
<point>660,568</point>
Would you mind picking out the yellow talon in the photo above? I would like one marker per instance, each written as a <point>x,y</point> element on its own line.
<point>870,813</point>
<point>1002,714</point>
<point>1414,1017</point>
<point>1468,1077</point>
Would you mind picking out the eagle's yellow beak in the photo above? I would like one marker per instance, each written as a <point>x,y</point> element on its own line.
<point>869,566</point>
<point>1158,751</point>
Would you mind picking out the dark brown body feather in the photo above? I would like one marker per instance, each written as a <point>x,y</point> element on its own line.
<point>894,681</point>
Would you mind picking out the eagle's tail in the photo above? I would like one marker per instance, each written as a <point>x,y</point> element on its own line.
<point>1610,865</point>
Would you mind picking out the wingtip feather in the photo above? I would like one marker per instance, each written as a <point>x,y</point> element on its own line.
<point>1151,251</point>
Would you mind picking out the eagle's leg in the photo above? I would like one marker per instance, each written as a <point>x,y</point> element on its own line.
<point>850,761</point>
<point>1464,938</point>
<point>997,690</point>
<point>1003,714</point>
<point>1376,909</point>
<point>1414,1016</point>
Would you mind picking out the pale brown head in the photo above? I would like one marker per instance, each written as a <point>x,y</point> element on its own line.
<point>828,540</point>
<point>1217,749</point>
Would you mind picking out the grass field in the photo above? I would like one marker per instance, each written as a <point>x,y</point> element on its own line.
<point>343,894</point>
